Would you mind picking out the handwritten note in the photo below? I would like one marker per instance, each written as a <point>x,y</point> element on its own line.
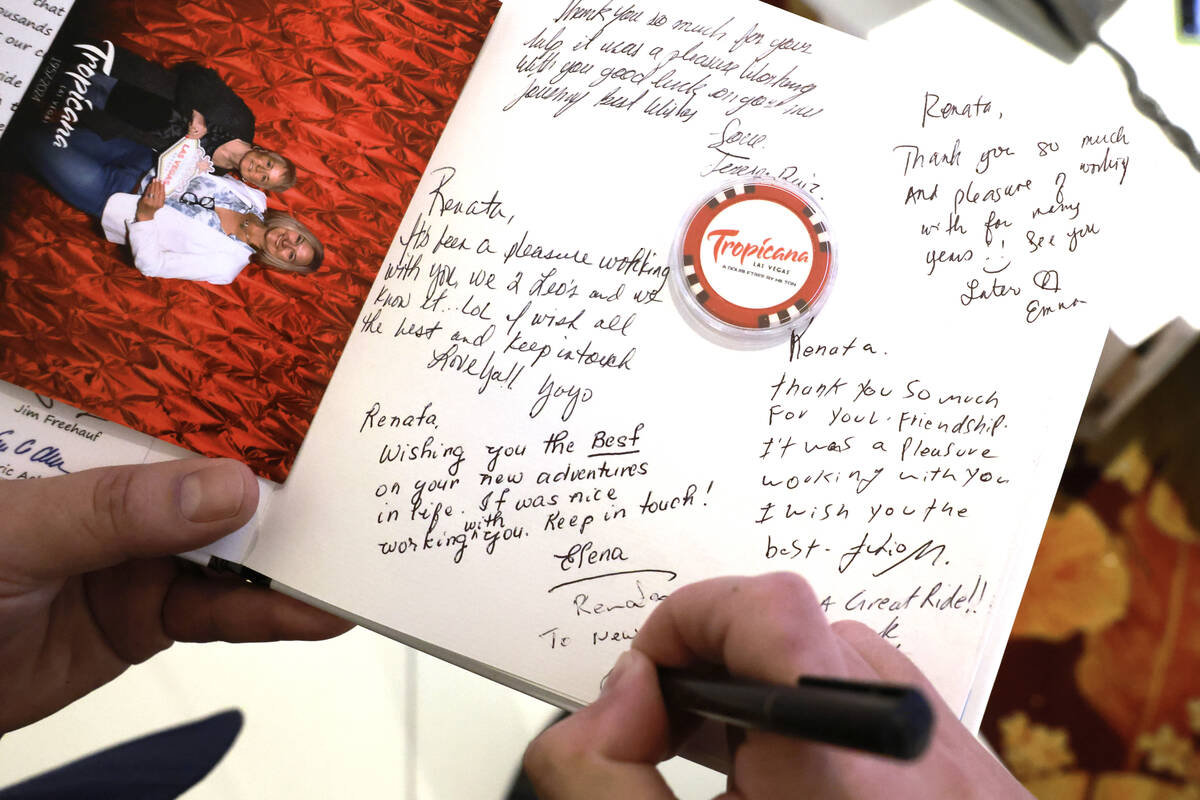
<point>526,446</point>
<point>1001,212</point>
<point>27,29</point>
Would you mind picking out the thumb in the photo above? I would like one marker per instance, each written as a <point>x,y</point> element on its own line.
<point>610,748</point>
<point>57,527</point>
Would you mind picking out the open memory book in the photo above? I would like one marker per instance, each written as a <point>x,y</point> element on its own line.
<point>529,441</point>
<point>537,432</point>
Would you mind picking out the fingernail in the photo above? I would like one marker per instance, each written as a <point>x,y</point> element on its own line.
<point>620,669</point>
<point>211,493</point>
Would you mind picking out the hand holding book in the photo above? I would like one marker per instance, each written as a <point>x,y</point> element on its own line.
<point>87,587</point>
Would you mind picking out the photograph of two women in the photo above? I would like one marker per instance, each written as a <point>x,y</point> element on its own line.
<point>197,198</point>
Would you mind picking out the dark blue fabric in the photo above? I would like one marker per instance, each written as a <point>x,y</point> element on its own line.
<point>160,766</point>
<point>89,169</point>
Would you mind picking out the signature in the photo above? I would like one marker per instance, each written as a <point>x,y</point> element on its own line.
<point>50,456</point>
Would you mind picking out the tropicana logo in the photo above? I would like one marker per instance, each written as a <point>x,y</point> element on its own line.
<point>727,245</point>
<point>82,81</point>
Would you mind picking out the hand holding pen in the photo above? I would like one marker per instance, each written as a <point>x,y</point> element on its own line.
<point>768,629</point>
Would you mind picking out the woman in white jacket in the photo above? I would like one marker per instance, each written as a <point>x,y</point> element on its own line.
<point>210,232</point>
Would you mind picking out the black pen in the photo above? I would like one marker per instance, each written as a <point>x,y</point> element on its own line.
<point>885,719</point>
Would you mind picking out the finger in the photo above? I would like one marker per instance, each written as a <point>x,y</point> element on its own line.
<point>201,608</point>
<point>125,605</point>
<point>768,628</point>
<point>71,649</point>
<point>140,607</point>
<point>609,749</point>
<point>57,527</point>
<point>890,664</point>
<point>886,660</point>
<point>770,766</point>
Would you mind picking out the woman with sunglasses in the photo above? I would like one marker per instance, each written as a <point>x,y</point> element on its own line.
<point>209,233</point>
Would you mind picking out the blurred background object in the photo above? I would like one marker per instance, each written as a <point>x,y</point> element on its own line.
<point>1042,23</point>
<point>158,766</point>
<point>1189,19</point>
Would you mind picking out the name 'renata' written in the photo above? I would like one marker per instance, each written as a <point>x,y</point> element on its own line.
<point>1008,223</point>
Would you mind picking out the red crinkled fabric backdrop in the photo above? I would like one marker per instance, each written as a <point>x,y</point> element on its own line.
<point>357,95</point>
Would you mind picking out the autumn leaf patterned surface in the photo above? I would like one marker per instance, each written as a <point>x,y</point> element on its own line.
<point>1098,697</point>
<point>1157,641</point>
<point>1078,583</point>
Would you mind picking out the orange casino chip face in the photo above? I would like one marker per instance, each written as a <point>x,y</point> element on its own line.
<point>757,256</point>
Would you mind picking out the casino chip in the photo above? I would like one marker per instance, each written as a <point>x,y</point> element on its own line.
<point>756,258</point>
